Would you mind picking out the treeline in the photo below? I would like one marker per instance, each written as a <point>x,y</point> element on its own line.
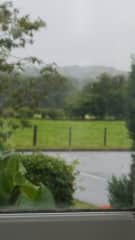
<point>23,96</point>
<point>53,96</point>
<point>103,99</point>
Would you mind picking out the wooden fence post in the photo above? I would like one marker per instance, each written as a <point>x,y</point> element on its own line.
<point>105,137</point>
<point>35,135</point>
<point>70,136</point>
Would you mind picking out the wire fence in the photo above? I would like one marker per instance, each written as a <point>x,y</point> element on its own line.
<point>73,137</point>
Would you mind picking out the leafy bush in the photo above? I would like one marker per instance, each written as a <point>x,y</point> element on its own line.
<point>37,116</point>
<point>42,112</point>
<point>56,114</point>
<point>25,112</point>
<point>13,124</point>
<point>36,179</point>
<point>25,123</point>
<point>16,191</point>
<point>120,192</point>
<point>51,113</point>
<point>58,176</point>
<point>8,112</point>
<point>7,127</point>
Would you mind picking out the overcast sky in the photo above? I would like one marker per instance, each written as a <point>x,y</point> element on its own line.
<point>83,32</point>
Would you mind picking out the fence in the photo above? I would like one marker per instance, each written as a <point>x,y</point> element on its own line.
<point>73,137</point>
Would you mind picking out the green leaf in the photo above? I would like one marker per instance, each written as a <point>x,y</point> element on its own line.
<point>40,198</point>
<point>21,168</point>
<point>19,179</point>
<point>45,199</point>
<point>5,187</point>
<point>12,166</point>
<point>24,202</point>
<point>30,190</point>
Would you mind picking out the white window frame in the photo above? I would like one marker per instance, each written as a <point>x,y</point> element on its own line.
<point>68,226</point>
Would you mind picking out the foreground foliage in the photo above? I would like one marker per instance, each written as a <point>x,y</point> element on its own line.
<point>120,192</point>
<point>16,32</point>
<point>17,191</point>
<point>58,176</point>
<point>36,182</point>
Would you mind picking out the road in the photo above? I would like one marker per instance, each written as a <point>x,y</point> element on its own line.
<point>96,168</point>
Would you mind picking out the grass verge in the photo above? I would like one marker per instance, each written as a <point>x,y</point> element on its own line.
<point>83,205</point>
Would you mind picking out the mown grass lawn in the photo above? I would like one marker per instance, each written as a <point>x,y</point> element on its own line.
<point>85,135</point>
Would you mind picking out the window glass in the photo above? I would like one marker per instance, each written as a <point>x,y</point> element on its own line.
<point>67,105</point>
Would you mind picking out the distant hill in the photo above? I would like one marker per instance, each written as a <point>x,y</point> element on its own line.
<point>85,73</point>
<point>78,74</point>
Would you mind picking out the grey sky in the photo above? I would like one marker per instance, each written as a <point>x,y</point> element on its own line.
<point>83,32</point>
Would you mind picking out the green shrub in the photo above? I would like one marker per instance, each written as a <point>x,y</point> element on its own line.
<point>16,191</point>
<point>25,112</point>
<point>51,113</point>
<point>8,112</point>
<point>56,114</point>
<point>25,123</point>
<point>13,124</point>
<point>37,116</point>
<point>42,112</point>
<point>120,192</point>
<point>54,173</point>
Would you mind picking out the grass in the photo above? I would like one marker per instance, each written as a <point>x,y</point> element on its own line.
<point>85,135</point>
<point>83,205</point>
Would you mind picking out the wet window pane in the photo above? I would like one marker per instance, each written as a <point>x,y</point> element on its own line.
<point>67,105</point>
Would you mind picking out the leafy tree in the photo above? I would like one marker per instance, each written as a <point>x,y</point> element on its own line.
<point>48,90</point>
<point>16,32</point>
<point>118,97</point>
<point>101,99</point>
<point>131,121</point>
<point>76,107</point>
<point>53,88</point>
<point>122,190</point>
<point>131,103</point>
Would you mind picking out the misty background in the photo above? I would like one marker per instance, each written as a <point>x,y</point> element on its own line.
<point>83,32</point>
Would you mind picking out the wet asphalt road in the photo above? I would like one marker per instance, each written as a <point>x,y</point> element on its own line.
<point>95,169</point>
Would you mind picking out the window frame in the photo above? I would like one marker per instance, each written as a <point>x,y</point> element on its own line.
<point>68,225</point>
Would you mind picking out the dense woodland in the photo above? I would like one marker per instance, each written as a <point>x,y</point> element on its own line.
<point>54,96</point>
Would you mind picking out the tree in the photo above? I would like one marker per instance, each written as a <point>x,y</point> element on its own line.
<point>131,103</point>
<point>16,32</point>
<point>53,88</point>
<point>15,189</point>
<point>131,121</point>
<point>102,99</point>
<point>124,187</point>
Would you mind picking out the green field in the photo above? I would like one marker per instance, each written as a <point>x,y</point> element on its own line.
<point>85,135</point>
